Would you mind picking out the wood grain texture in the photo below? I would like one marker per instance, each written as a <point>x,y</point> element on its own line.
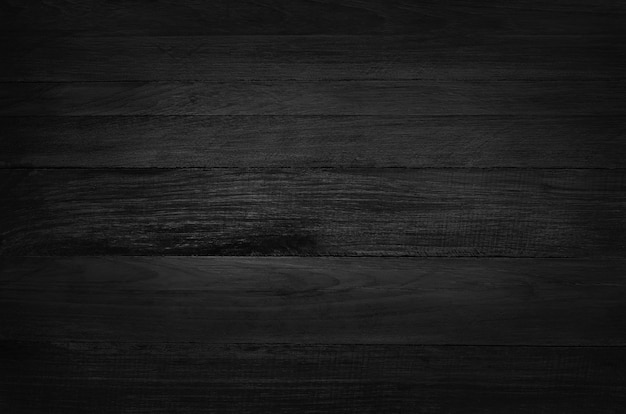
<point>314,141</point>
<point>433,212</point>
<point>315,300</point>
<point>305,17</point>
<point>375,98</point>
<point>193,378</point>
<point>306,58</point>
<point>312,128</point>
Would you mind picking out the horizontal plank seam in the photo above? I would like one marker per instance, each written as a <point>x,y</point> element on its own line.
<point>536,115</point>
<point>19,167</point>
<point>86,34</point>
<point>382,116</point>
<point>322,256</point>
<point>322,80</point>
<point>32,33</point>
<point>382,344</point>
<point>433,258</point>
<point>6,286</point>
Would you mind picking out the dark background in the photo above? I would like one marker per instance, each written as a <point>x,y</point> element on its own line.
<point>410,206</point>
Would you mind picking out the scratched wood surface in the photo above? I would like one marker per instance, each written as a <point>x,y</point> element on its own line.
<point>461,130</point>
<point>295,211</point>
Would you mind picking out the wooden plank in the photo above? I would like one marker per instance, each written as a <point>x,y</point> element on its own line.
<point>303,17</point>
<point>313,141</point>
<point>239,378</point>
<point>375,98</point>
<point>315,300</point>
<point>233,58</point>
<point>432,212</point>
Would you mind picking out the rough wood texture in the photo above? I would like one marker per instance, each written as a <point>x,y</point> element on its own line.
<point>397,98</point>
<point>305,17</point>
<point>302,116</point>
<point>67,377</point>
<point>434,212</point>
<point>315,300</point>
<point>232,58</point>
<point>314,141</point>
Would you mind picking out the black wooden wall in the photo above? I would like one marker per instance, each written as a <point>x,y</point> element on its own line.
<point>352,206</point>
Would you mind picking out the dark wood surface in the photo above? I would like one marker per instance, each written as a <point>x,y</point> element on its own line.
<point>372,300</point>
<point>295,211</point>
<point>112,377</point>
<point>306,17</point>
<point>488,135</point>
<point>373,98</point>
<point>510,56</point>
<point>314,141</point>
